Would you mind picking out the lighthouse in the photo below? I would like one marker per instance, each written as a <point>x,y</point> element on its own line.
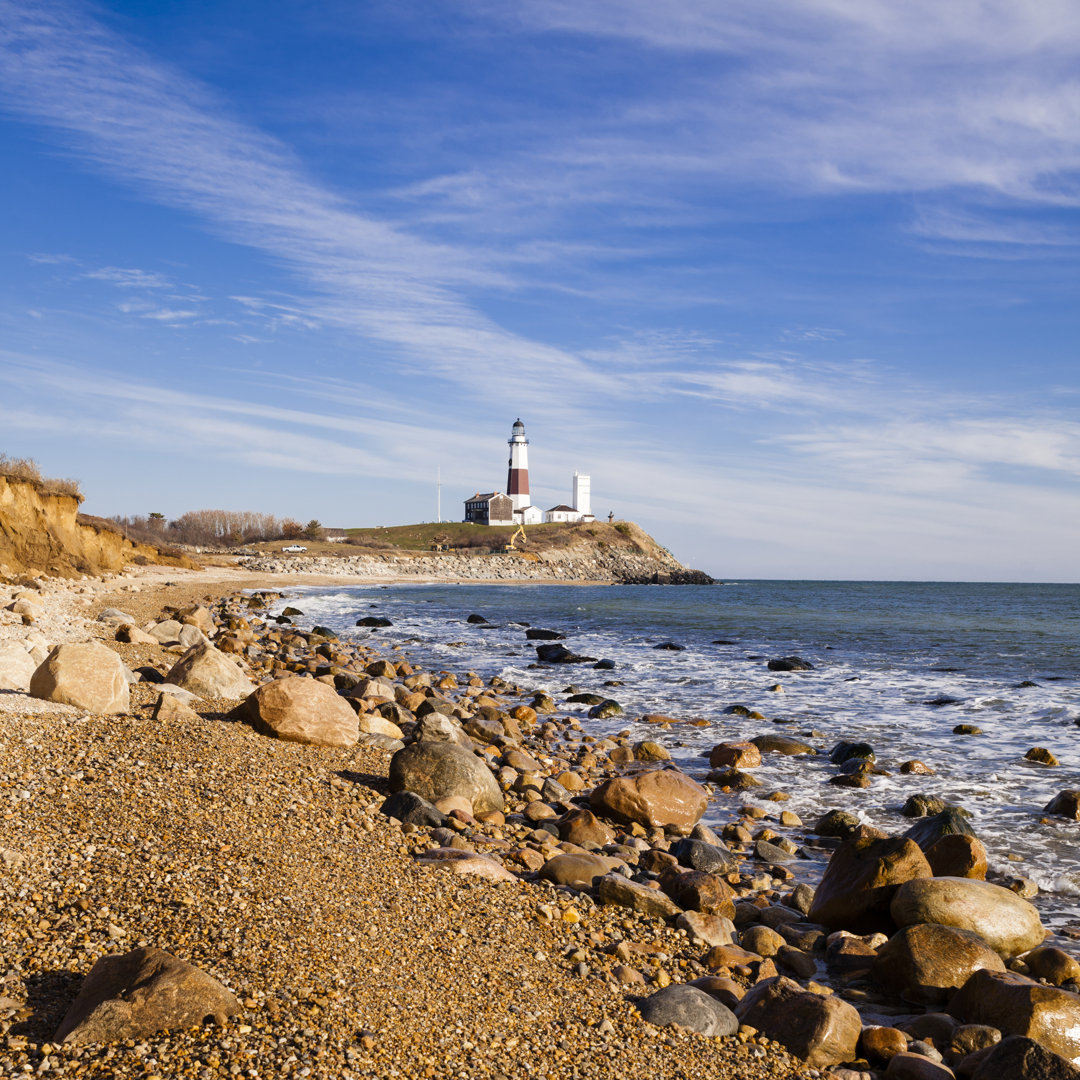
<point>517,481</point>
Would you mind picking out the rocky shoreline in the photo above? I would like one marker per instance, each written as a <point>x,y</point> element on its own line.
<point>399,871</point>
<point>563,567</point>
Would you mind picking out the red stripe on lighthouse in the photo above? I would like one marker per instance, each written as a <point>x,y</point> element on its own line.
<point>517,482</point>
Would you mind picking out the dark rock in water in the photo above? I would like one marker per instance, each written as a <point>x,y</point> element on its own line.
<point>283,620</point>
<point>938,702</point>
<point>585,699</point>
<point>409,807</point>
<point>967,729</point>
<point>929,830</point>
<point>476,619</point>
<point>845,751</point>
<point>604,665</point>
<point>670,646</point>
<point>1065,804</point>
<point>324,631</point>
<point>291,611</point>
<point>724,641</point>
<point>373,620</point>
<point>535,633</point>
<point>733,779</point>
<point>947,670</point>
<point>700,855</point>
<point>1027,684</point>
<point>1020,1058</point>
<point>923,806</point>
<point>607,708</point>
<point>560,654</point>
<point>781,744</point>
<point>690,1008</point>
<point>790,663</point>
<point>851,780</point>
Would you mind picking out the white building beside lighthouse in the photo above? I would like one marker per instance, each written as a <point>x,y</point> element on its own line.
<point>515,506</point>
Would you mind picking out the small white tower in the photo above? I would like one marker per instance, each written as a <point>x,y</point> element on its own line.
<point>517,481</point>
<point>583,494</point>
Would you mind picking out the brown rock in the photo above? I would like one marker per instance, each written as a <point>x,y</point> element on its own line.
<point>169,708</point>
<point>860,881</point>
<point>957,855</point>
<point>87,675</point>
<point>926,964</point>
<point>696,890</point>
<point>140,993</point>
<point>907,1066</point>
<point>882,1043</point>
<point>209,673</point>
<point>736,755</point>
<point>17,666</point>
<point>300,710</point>
<point>583,827</point>
<point>1008,924</point>
<point>615,889</point>
<point>1053,965</point>
<point>1017,1058</point>
<point>465,864</point>
<point>1016,1005</point>
<point>821,1030</point>
<point>578,871</point>
<point>704,929</point>
<point>1065,804</point>
<point>653,799</point>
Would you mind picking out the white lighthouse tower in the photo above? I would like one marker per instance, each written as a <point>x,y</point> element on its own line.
<point>517,481</point>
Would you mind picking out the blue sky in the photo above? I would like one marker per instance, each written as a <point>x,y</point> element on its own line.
<point>796,283</point>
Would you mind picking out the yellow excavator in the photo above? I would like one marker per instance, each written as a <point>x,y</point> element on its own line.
<point>512,545</point>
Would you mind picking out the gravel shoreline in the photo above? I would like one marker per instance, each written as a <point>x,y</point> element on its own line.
<point>267,864</point>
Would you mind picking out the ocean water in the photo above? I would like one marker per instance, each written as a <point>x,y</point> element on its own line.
<point>881,652</point>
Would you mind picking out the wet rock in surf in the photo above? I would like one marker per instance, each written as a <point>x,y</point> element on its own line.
<point>1065,804</point>
<point>606,708</point>
<point>1041,755</point>
<point>922,806</point>
<point>781,744</point>
<point>536,633</point>
<point>790,663</point>
<point>847,751</point>
<point>373,620</point>
<point>560,654</point>
<point>837,823</point>
<point>967,729</point>
<point>927,831</point>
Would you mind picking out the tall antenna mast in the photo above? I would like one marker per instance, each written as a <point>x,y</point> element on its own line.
<point>438,494</point>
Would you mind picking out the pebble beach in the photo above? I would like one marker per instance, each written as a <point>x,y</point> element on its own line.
<point>362,935</point>
<point>267,864</point>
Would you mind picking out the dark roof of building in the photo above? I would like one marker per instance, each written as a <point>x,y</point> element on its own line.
<point>489,495</point>
<point>563,508</point>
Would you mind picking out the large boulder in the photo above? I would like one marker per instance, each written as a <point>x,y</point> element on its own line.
<point>300,710</point>
<point>653,799</point>
<point>1065,804</point>
<point>955,855</point>
<point>87,675</point>
<point>437,770</point>
<point>17,666</point>
<point>1018,1058</point>
<point>135,995</point>
<point>822,1030</point>
<point>926,964</point>
<point>859,883</point>
<point>690,1008</point>
<point>209,673</point>
<point>952,821</point>
<point>1016,1005</point>
<point>1008,924</point>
